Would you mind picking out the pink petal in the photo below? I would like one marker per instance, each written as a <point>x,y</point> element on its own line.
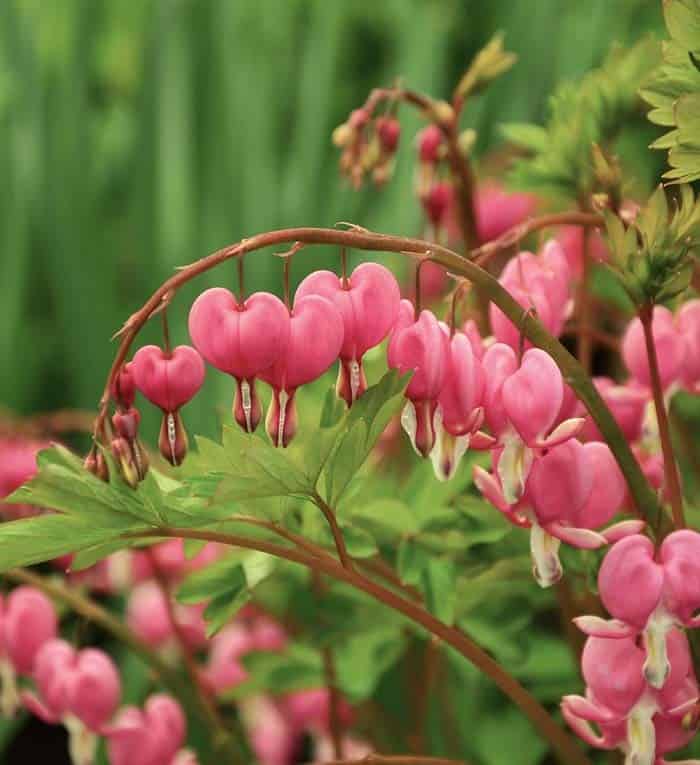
<point>623,529</point>
<point>563,432</point>
<point>604,628</point>
<point>585,539</point>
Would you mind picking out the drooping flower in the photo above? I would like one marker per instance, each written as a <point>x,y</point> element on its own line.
<point>241,339</point>
<point>522,403</point>
<point>368,302</point>
<point>459,413</point>
<point>688,322</point>
<point>666,587</point>
<point>420,345</point>
<point>169,380</point>
<point>81,689</point>
<point>669,349</point>
<point>149,736</point>
<point>313,344</point>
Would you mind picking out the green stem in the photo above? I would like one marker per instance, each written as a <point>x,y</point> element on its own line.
<point>563,744</point>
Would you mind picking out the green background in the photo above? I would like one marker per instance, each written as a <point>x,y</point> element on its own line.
<point>138,136</point>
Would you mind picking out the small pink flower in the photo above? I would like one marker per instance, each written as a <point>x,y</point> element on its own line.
<point>224,669</point>
<point>498,210</point>
<point>429,142</point>
<point>669,349</point>
<point>688,322</point>
<point>459,413</point>
<point>310,710</point>
<point>645,723</point>
<point>81,689</point>
<point>17,467</point>
<point>368,305</point>
<point>436,202</point>
<point>169,380</point>
<point>27,621</point>
<point>666,587</point>
<point>315,338</point>
<point>149,617</point>
<point>273,740</point>
<point>241,339</point>
<point>571,240</point>
<point>571,490</point>
<point>626,403</point>
<point>151,736</point>
<point>541,283</point>
<point>172,562</point>
<point>421,346</point>
<point>522,404</point>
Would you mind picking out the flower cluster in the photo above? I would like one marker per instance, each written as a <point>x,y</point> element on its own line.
<point>641,686</point>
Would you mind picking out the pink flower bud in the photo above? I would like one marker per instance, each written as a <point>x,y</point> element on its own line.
<point>688,321</point>
<point>310,710</point>
<point>17,466</point>
<point>459,414</point>
<point>421,346</point>
<point>368,305</point>
<point>241,340</point>
<point>429,143</point>
<point>123,389</point>
<point>498,210</point>
<point>27,621</point>
<point>389,132</point>
<point>359,118</point>
<point>669,348</point>
<point>149,737</point>
<point>437,201</point>
<point>168,380</point>
<point>314,342</point>
<point>126,423</point>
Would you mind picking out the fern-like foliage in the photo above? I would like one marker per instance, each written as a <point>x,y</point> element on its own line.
<point>582,114</point>
<point>674,91</point>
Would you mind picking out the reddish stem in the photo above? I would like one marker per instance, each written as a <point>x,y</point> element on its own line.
<point>563,744</point>
<point>671,478</point>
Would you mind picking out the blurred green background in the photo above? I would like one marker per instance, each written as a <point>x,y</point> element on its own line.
<point>139,135</point>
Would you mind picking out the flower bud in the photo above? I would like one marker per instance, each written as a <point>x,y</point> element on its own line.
<point>429,144</point>
<point>436,203</point>
<point>281,419</point>
<point>123,454</point>
<point>389,132</point>
<point>172,440</point>
<point>126,423</point>
<point>123,388</point>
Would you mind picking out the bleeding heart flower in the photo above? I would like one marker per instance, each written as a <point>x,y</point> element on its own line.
<point>310,710</point>
<point>571,490</point>
<point>669,349</point>
<point>421,346</point>
<point>149,737</point>
<point>241,339</point>
<point>626,403</point>
<point>522,405</point>
<point>666,587</point>
<point>17,467</point>
<point>688,322</point>
<point>459,413</point>
<point>313,344</point>
<point>498,210</point>
<point>27,621</point>
<point>630,715</point>
<point>368,303</point>
<point>224,669</point>
<point>571,240</point>
<point>81,689</point>
<point>169,380</point>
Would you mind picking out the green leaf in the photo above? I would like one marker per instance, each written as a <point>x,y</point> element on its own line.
<point>530,137</point>
<point>488,64</point>
<point>359,542</point>
<point>438,585</point>
<point>363,658</point>
<point>411,561</point>
<point>223,608</point>
<point>297,668</point>
<point>358,432</point>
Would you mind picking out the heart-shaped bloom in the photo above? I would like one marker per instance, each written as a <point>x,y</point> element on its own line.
<point>420,345</point>
<point>666,587</point>
<point>169,380</point>
<point>224,669</point>
<point>149,617</point>
<point>368,302</point>
<point>669,349</point>
<point>241,339</point>
<point>81,689</point>
<point>459,413</point>
<point>27,621</point>
<point>497,210</point>
<point>310,710</point>
<point>537,282</point>
<point>151,736</point>
<point>627,405</point>
<point>688,322</point>
<point>571,240</point>
<point>645,723</point>
<point>572,490</point>
<point>17,466</point>
<point>522,404</point>
<point>313,344</point>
